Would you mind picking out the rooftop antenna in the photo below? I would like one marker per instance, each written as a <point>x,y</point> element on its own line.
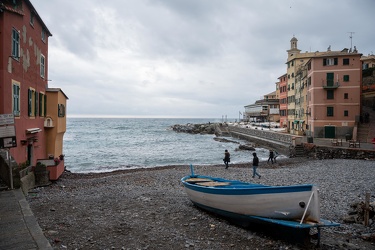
<point>351,38</point>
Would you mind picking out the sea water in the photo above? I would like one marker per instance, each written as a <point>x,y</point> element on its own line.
<point>108,144</point>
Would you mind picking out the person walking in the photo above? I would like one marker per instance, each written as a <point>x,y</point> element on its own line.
<point>226,159</point>
<point>271,156</point>
<point>255,165</point>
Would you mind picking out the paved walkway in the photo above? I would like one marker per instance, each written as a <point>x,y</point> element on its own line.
<point>19,228</point>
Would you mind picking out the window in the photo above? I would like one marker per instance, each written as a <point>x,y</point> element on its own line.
<point>346,96</point>
<point>32,18</point>
<point>309,66</point>
<point>15,44</point>
<point>42,67</point>
<point>330,94</point>
<point>292,63</point>
<point>61,110</point>
<point>330,61</point>
<point>329,111</point>
<point>31,102</point>
<point>16,99</point>
<point>346,113</point>
<point>345,61</point>
<point>346,78</point>
<point>42,103</point>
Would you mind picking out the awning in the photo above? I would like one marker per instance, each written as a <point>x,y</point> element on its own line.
<point>296,121</point>
<point>33,130</point>
<point>302,121</point>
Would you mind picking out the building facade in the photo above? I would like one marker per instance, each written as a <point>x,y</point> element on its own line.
<point>265,110</point>
<point>283,104</point>
<point>24,79</point>
<point>334,93</point>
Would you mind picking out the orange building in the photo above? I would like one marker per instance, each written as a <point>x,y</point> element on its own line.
<point>283,97</point>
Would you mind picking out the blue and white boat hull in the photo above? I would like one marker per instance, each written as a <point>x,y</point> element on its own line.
<point>300,202</point>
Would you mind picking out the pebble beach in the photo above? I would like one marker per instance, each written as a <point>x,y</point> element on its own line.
<point>148,208</point>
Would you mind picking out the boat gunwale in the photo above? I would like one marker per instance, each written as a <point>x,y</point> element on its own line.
<point>243,188</point>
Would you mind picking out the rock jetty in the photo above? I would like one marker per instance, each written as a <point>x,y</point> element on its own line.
<point>205,128</point>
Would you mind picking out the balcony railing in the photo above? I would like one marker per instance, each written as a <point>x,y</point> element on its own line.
<point>331,85</point>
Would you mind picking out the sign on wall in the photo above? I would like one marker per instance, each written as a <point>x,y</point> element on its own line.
<point>7,131</point>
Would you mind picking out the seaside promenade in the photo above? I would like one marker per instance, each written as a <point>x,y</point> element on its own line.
<point>19,228</point>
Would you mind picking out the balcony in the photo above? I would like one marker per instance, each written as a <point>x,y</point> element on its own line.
<point>330,85</point>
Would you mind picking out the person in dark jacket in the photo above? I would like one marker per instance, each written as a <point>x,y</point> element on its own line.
<point>271,156</point>
<point>226,159</point>
<point>255,165</point>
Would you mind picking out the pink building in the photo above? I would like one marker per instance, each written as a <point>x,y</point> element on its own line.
<point>37,111</point>
<point>334,83</point>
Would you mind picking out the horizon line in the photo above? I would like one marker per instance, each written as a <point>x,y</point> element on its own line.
<point>144,116</point>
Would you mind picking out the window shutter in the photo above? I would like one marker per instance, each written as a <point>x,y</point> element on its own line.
<point>36,104</point>
<point>336,61</point>
<point>45,105</point>
<point>330,78</point>
<point>29,102</point>
<point>40,104</point>
<point>324,62</point>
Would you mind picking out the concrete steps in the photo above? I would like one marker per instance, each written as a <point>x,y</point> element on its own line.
<point>300,152</point>
<point>366,130</point>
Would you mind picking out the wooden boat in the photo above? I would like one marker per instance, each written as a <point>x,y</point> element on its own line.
<point>294,206</point>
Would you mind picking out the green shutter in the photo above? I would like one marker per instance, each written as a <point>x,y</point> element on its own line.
<point>330,78</point>
<point>36,104</point>
<point>45,105</point>
<point>16,100</point>
<point>329,111</point>
<point>29,102</point>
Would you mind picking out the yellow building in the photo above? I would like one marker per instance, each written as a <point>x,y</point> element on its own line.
<point>55,121</point>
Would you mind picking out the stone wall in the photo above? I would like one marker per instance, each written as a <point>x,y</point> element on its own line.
<point>264,134</point>
<point>321,152</point>
<point>284,143</point>
<point>4,170</point>
<point>267,139</point>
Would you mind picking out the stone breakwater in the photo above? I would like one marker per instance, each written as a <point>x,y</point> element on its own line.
<point>207,128</point>
<point>149,209</point>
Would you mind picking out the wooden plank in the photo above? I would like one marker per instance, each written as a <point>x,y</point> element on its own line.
<point>213,184</point>
<point>197,180</point>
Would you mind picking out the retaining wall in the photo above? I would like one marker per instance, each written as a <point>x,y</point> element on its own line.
<point>285,143</point>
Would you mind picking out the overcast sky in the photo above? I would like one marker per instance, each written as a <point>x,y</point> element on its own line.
<point>188,58</point>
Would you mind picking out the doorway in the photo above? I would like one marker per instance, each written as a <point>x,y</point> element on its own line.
<point>329,132</point>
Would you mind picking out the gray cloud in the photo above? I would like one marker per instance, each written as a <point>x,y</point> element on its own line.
<point>197,58</point>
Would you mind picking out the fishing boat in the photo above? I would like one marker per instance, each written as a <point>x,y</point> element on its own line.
<point>294,206</point>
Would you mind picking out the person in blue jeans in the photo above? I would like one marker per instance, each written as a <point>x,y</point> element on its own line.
<point>255,165</point>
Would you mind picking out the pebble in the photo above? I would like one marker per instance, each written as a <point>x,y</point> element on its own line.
<point>148,198</point>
